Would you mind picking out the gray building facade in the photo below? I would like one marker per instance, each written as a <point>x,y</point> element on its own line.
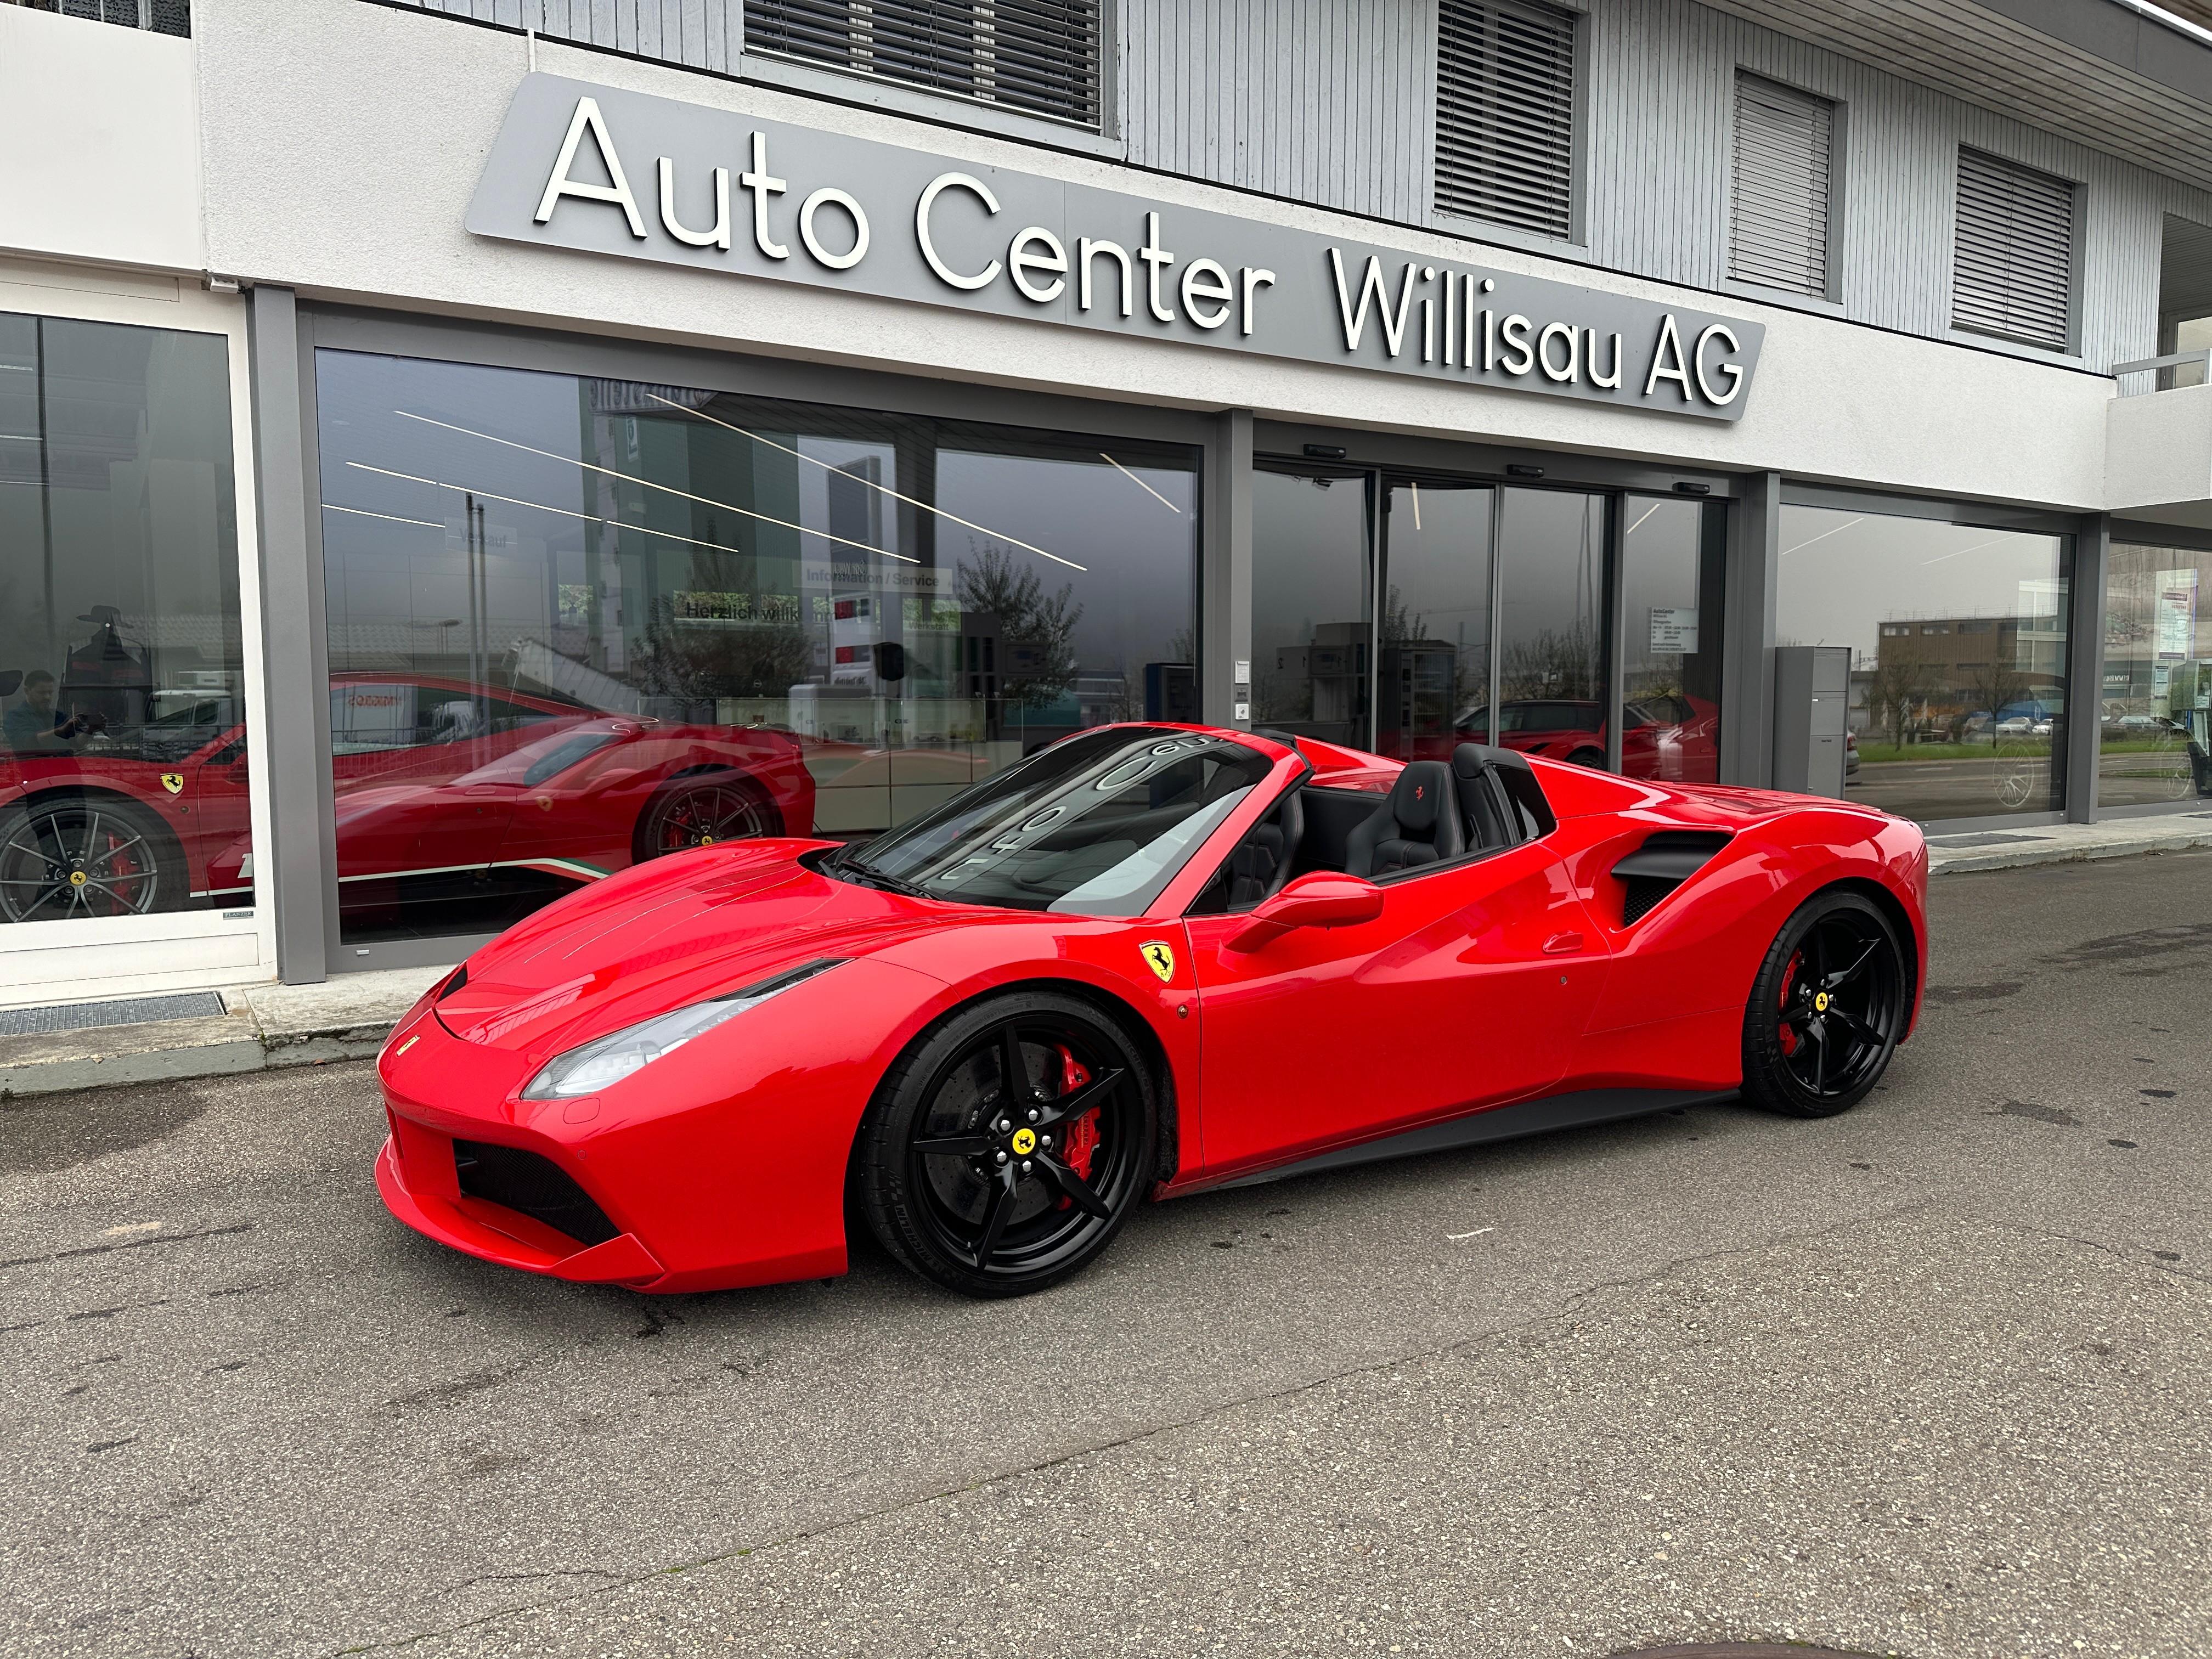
<point>457,450</point>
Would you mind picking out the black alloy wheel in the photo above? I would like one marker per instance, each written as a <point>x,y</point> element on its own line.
<point>1008,1146</point>
<point>703,811</point>
<point>1827,1009</point>
<point>86,857</point>
<point>1593,758</point>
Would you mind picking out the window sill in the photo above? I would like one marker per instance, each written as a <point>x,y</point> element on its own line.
<point>1524,241</point>
<point>1785,298</point>
<point>893,99</point>
<point>2052,357</point>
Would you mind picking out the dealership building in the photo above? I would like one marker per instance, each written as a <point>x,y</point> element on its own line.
<point>450,451</point>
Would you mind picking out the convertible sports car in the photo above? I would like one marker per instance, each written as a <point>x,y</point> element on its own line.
<point>1148,960</point>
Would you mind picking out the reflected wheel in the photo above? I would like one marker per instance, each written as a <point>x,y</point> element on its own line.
<point>62,859</point>
<point>1827,1010</point>
<point>703,810</point>
<point>1008,1146</point>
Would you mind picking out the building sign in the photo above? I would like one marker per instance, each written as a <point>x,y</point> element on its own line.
<point>2177,615</point>
<point>601,170</point>
<point>1674,628</point>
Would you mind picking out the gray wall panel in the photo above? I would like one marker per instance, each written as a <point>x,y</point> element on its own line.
<point>1332,101</point>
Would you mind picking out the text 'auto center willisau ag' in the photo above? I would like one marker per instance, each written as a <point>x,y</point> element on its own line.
<point>454,463</point>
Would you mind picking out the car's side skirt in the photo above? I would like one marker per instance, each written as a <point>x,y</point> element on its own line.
<point>1529,1117</point>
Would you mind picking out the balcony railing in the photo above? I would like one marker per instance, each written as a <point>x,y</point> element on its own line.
<point>156,17</point>
<point>2167,370</point>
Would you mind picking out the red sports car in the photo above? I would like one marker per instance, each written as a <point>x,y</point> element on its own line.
<point>432,778</point>
<point>1674,739</point>
<point>1148,960</point>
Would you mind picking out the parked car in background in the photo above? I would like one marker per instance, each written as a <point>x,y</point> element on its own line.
<point>433,778</point>
<point>1664,737</point>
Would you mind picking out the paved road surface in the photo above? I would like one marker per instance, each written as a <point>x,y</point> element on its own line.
<point>1929,1379</point>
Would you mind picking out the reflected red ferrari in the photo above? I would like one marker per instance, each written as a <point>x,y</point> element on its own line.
<point>432,778</point>
<point>1672,738</point>
<point>1148,960</point>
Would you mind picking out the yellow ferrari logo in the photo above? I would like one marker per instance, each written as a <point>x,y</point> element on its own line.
<point>77,878</point>
<point>1821,1003</point>
<point>1159,956</point>
<point>174,782</point>
<point>1025,1142</point>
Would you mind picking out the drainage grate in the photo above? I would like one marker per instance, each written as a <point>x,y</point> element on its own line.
<point>90,1015</point>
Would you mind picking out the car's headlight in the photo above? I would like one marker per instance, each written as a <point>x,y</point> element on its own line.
<point>603,1063</point>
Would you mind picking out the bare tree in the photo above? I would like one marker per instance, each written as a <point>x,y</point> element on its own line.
<point>1002,582</point>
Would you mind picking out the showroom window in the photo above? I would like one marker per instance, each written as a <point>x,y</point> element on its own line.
<point>574,623</point>
<point>123,776</point>
<point>1959,693</point>
<point>2155,727</point>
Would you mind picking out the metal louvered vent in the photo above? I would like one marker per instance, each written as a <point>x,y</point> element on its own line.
<point>1778,200</point>
<point>1505,114</point>
<point>1040,57</point>
<point>2013,273</point>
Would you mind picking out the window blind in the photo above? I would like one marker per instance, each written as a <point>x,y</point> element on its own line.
<point>1505,113</point>
<point>2012,267</point>
<point>1040,57</point>
<point>1779,197</point>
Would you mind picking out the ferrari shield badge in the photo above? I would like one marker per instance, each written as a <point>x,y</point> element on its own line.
<point>1159,956</point>
<point>174,782</point>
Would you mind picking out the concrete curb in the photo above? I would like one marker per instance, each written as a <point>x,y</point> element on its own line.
<point>2066,843</point>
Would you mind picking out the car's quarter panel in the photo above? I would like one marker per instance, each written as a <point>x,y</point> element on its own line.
<point>1469,990</point>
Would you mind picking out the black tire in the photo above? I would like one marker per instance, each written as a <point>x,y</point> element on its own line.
<point>1593,758</point>
<point>1827,1010</point>
<point>701,809</point>
<point>993,1210</point>
<point>63,856</point>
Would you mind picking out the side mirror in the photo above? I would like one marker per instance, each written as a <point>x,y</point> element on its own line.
<point>1322,899</point>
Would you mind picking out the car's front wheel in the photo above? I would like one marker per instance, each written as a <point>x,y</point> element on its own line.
<point>1008,1146</point>
<point>1827,1009</point>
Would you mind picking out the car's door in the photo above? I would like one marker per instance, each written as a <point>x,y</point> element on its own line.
<point>1469,990</point>
<point>402,757</point>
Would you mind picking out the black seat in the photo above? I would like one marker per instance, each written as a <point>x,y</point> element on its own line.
<point>1261,863</point>
<point>1481,799</point>
<point>1417,824</point>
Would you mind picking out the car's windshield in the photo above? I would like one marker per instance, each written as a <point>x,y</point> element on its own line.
<point>1096,824</point>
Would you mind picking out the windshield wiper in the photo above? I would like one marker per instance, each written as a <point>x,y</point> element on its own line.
<point>865,871</point>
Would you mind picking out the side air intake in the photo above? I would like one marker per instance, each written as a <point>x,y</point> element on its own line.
<point>1664,862</point>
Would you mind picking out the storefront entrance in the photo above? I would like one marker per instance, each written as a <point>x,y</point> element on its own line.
<point>1397,612</point>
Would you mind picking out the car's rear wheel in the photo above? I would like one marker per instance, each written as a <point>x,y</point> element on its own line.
<point>1008,1146</point>
<point>702,810</point>
<point>1593,758</point>
<point>70,856</point>
<point>1827,1010</point>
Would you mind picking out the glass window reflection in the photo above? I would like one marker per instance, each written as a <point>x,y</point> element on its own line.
<point>1433,657</point>
<point>2154,723</point>
<point>1313,588</point>
<point>123,772</point>
<point>1552,634</point>
<point>1673,562</point>
<point>576,623</point>
<point>1958,639</point>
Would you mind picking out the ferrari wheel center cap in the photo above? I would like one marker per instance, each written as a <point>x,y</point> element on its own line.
<point>1821,1002</point>
<point>76,877</point>
<point>1025,1142</point>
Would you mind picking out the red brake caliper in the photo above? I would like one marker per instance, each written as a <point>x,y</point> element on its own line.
<point>1082,1136</point>
<point>1788,984</point>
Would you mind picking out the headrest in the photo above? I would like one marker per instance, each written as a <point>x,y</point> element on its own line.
<point>1420,791</point>
<point>1468,759</point>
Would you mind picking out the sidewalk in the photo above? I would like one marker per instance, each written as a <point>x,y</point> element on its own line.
<point>209,1034</point>
<point>204,1033</point>
<point>2062,844</point>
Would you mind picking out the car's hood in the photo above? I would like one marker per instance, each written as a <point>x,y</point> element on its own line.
<point>667,934</point>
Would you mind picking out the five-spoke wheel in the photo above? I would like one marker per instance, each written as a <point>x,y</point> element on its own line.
<point>1006,1149</point>
<point>1827,1009</point>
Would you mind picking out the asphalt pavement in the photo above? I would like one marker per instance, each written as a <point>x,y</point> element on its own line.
<point>1929,1379</point>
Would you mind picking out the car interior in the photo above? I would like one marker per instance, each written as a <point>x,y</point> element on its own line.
<point>1486,800</point>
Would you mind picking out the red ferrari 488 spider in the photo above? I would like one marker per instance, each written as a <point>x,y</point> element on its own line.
<point>1147,960</point>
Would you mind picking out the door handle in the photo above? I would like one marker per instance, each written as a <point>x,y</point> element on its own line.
<point>1561,943</point>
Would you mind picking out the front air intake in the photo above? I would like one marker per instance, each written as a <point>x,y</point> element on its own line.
<point>1664,862</point>
<point>535,1187</point>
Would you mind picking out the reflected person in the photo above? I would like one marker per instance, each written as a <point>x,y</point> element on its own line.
<point>35,725</point>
